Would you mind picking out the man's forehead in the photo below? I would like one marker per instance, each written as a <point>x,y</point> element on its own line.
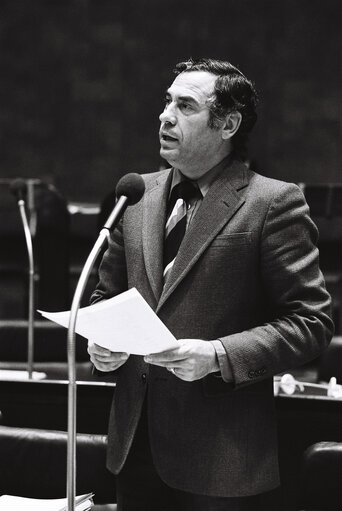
<point>197,84</point>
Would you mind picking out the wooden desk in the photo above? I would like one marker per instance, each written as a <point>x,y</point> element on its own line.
<point>303,419</point>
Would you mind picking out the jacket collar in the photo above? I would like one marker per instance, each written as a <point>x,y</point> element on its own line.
<point>153,225</point>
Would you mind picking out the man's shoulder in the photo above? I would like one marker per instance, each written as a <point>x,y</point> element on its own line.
<point>270,187</point>
<point>270,183</point>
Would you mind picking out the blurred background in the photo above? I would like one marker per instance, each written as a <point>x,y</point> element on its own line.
<point>83,81</point>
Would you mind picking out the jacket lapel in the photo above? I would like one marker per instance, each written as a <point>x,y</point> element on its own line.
<point>153,222</point>
<point>217,208</point>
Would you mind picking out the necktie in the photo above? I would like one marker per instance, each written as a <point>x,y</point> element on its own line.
<point>175,226</point>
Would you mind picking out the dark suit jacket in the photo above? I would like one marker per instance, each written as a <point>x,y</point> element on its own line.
<point>246,273</point>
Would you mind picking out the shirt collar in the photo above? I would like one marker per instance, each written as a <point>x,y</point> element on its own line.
<point>205,181</point>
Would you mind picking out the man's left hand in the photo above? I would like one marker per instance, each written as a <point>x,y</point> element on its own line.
<point>191,360</point>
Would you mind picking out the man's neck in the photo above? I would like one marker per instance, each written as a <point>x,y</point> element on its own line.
<point>205,180</point>
<point>197,172</point>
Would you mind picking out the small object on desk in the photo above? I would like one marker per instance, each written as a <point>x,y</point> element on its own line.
<point>334,390</point>
<point>288,384</point>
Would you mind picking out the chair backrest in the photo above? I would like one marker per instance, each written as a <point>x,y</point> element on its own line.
<point>33,464</point>
<point>324,199</point>
<point>320,485</point>
<point>330,362</point>
<point>50,342</point>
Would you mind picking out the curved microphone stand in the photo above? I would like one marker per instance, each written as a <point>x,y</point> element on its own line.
<point>28,238</point>
<point>71,451</point>
<point>114,217</point>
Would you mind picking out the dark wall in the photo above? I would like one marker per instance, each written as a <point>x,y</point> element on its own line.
<point>82,83</point>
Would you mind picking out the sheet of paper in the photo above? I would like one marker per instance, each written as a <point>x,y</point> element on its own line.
<point>11,374</point>
<point>12,503</point>
<point>123,323</point>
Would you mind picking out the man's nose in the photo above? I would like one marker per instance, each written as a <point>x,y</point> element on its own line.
<point>168,115</point>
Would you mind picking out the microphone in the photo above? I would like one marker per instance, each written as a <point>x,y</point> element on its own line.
<point>18,188</point>
<point>129,191</point>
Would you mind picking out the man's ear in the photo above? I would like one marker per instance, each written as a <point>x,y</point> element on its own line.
<point>231,125</point>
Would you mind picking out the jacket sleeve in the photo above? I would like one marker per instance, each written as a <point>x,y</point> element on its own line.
<point>112,277</point>
<point>300,327</point>
<point>112,270</point>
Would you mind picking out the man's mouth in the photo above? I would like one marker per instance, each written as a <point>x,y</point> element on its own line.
<point>168,138</point>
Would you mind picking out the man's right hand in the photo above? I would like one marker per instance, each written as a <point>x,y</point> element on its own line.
<point>104,359</point>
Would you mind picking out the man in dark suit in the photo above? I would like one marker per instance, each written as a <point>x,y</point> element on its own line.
<point>193,428</point>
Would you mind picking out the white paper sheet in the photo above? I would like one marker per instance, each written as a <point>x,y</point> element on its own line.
<point>12,503</point>
<point>123,323</point>
<point>11,374</point>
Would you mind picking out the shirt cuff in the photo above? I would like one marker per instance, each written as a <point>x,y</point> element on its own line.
<point>225,369</point>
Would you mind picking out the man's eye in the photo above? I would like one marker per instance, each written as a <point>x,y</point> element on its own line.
<point>167,100</point>
<point>185,106</point>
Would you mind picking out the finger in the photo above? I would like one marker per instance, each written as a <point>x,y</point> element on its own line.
<point>181,374</point>
<point>102,356</point>
<point>112,358</point>
<point>165,358</point>
<point>95,348</point>
<point>105,359</point>
<point>165,363</point>
<point>106,367</point>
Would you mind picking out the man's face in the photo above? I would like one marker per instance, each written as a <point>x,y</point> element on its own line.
<point>187,142</point>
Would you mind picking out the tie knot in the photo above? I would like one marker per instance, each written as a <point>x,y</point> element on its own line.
<point>185,190</point>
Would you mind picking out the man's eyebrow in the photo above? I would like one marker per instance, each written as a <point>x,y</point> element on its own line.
<point>188,99</point>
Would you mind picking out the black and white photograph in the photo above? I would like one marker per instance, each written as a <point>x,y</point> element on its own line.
<point>170,255</point>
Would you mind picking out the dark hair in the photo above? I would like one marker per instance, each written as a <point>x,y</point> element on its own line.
<point>232,92</point>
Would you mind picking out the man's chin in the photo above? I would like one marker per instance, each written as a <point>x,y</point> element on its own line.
<point>168,155</point>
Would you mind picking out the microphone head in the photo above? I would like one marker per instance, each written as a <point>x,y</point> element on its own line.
<point>19,188</point>
<point>131,186</point>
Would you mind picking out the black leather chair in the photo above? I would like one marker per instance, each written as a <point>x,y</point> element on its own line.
<point>320,484</point>
<point>330,362</point>
<point>33,464</point>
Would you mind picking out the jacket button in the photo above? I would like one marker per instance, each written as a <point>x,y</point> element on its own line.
<point>144,377</point>
<point>251,374</point>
